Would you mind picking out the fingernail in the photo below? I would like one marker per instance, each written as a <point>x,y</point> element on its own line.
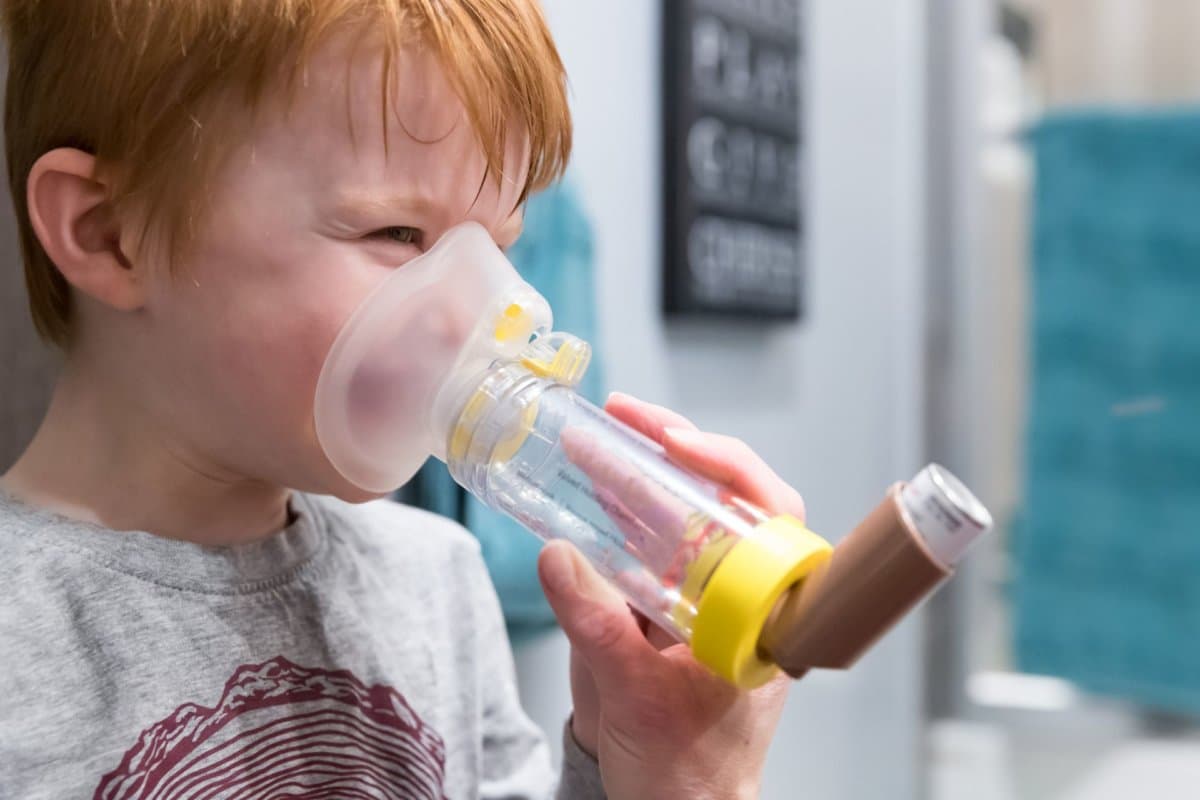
<point>619,396</point>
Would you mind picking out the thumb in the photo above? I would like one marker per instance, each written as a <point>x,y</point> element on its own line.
<point>593,615</point>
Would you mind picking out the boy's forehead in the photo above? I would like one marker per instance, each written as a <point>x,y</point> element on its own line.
<point>359,125</point>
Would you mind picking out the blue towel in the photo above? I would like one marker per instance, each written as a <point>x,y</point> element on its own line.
<point>1107,588</point>
<point>555,256</point>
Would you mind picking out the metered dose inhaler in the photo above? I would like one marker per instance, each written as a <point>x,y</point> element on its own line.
<point>454,356</point>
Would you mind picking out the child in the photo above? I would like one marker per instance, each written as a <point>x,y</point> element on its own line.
<point>206,189</point>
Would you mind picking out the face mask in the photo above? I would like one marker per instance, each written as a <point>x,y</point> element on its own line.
<point>404,364</point>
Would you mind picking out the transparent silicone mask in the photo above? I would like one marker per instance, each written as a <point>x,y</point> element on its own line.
<point>391,383</point>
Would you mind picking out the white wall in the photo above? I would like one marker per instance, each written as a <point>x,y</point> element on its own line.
<point>833,402</point>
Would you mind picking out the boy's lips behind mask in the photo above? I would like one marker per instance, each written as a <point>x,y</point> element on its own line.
<point>386,396</point>
<point>392,376</point>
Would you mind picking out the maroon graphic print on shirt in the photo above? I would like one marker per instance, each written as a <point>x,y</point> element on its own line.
<point>281,730</point>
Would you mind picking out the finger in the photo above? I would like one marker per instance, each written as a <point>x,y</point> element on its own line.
<point>753,480</point>
<point>594,617</point>
<point>732,463</point>
<point>646,545</point>
<point>646,418</point>
<point>648,506</point>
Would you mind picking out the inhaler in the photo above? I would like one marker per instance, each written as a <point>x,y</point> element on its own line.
<point>454,356</point>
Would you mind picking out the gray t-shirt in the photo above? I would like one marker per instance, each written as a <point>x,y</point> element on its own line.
<point>360,653</point>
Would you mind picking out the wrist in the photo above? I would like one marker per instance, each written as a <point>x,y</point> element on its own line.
<point>685,778</point>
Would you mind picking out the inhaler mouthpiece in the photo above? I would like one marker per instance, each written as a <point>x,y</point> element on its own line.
<point>398,372</point>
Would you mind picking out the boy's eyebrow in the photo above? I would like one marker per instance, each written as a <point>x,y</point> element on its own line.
<point>363,202</point>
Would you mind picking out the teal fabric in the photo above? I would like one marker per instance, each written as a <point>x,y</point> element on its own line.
<point>1107,588</point>
<point>555,255</point>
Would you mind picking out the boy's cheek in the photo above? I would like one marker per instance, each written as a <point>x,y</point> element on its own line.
<point>251,373</point>
<point>250,341</point>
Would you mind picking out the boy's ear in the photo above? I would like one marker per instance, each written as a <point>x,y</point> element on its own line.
<point>73,219</point>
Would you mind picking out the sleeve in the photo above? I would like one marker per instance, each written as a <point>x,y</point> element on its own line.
<point>516,757</point>
<point>580,772</point>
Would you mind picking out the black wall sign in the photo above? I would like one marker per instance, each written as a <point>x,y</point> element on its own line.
<point>731,98</point>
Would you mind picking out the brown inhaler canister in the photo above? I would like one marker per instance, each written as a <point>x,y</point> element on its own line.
<point>874,577</point>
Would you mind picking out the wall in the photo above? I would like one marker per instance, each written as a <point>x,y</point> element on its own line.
<point>834,403</point>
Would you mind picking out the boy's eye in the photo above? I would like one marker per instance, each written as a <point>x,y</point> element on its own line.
<point>401,234</point>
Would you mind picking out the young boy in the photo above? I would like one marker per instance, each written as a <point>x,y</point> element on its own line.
<point>206,189</point>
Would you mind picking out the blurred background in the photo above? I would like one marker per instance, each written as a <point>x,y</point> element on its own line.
<point>969,232</point>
